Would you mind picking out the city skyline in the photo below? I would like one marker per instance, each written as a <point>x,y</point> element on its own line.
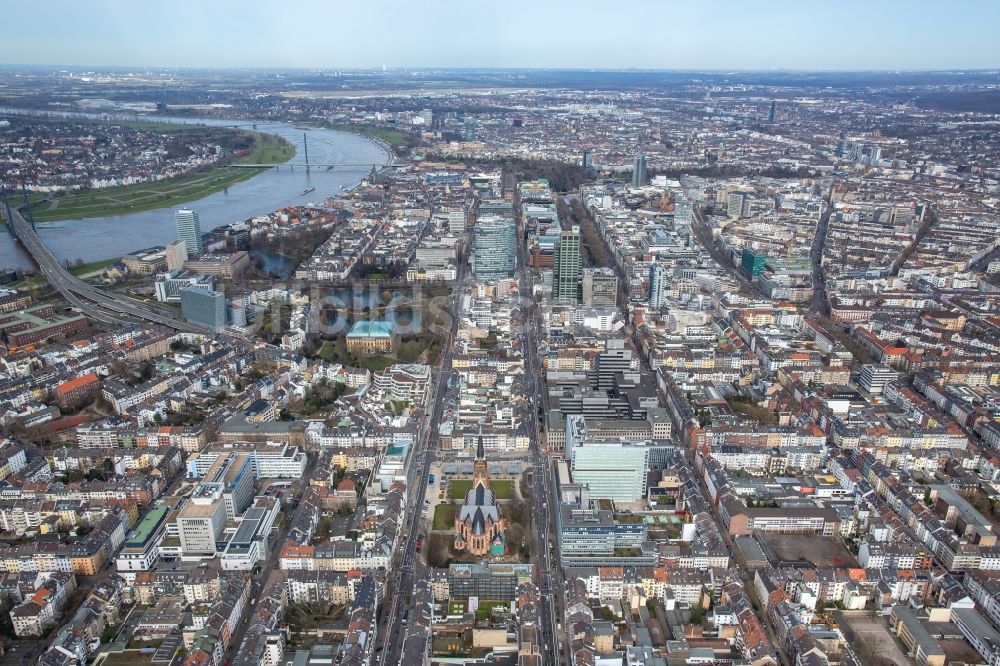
<point>568,334</point>
<point>643,35</point>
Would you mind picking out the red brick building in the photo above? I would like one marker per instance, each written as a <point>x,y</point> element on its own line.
<point>76,391</point>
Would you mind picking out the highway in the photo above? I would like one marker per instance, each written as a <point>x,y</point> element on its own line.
<point>90,300</point>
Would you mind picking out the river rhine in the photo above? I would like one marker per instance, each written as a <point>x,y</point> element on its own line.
<point>99,238</point>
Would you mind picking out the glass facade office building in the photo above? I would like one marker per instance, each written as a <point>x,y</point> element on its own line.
<point>204,307</point>
<point>189,231</point>
<point>612,471</point>
<point>567,267</point>
<point>592,537</point>
<point>493,249</point>
<point>657,285</point>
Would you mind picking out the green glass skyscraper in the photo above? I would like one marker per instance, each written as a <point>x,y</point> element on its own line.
<point>753,263</point>
<point>566,269</point>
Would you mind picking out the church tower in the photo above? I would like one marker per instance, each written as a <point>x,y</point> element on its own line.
<point>479,525</point>
<point>480,474</point>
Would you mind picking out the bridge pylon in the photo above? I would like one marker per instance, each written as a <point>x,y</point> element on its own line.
<point>5,197</point>
<point>27,206</point>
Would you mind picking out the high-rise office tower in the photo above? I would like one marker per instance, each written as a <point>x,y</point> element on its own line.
<point>616,357</point>
<point>612,471</point>
<point>753,263</point>
<point>738,204</point>
<point>566,269</point>
<point>493,248</point>
<point>189,231</point>
<point>176,255</point>
<point>639,171</point>
<point>773,113</point>
<point>205,307</point>
<point>588,158</point>
<point>683,210</point>
<point>657,285</point>
<point>599,287</point>
<point>455,218</point>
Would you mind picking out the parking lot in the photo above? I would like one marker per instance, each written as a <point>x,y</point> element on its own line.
<point>810,548</point>
<point>874,634</point>
<point>20,653</point>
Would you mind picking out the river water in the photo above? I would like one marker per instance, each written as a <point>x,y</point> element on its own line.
<point>99,238</point>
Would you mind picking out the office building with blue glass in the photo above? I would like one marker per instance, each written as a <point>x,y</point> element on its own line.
<point>200,306</point>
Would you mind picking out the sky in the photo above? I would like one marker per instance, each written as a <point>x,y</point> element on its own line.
<point>602,34</point>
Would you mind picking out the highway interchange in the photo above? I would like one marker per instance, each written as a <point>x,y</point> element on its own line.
<point>89,300</point>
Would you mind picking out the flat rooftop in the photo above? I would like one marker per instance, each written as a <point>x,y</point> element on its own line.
<point>147,527</point>
<point>249,527</point>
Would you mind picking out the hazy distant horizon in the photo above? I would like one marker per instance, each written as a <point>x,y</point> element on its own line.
<point>419,68</point>
<point>644,35</point>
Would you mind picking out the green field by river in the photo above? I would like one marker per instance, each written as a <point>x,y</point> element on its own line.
<point>267,149</point>
<point>390,136</point>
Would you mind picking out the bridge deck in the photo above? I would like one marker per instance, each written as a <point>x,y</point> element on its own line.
<point>310,165</point>
<point>78,292</point>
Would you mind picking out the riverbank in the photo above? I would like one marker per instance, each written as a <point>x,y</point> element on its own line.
<point>127,199</point>
<point>114,235</point>
<point>80,270</point>
<point>387,139</point>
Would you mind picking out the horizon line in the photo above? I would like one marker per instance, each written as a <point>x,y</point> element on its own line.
<point>500,68</point>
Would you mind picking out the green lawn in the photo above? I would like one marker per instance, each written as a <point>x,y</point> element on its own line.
<point>268,149</point>
<point>376,363</point>
<point>503,489</point>
<point>458,488</point>
<point>444,517</point>
<point>335,351</point>
<point>486,608</point>
<point>409,352</point>
<point>91,267</point>
<point>390,136</point>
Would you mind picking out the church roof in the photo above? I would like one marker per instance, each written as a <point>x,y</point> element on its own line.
<point>478,516</point>
<point>479,508</point>
<point>479,522</point>
<point>480,495</point>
